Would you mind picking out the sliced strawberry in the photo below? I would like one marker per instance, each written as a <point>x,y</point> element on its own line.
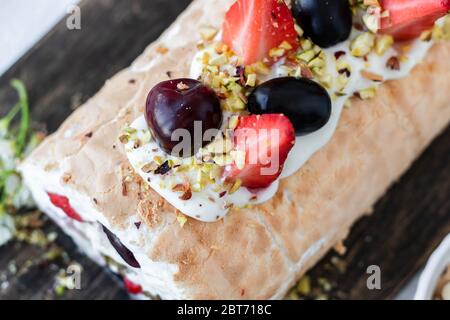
<point>63,203</point>
<point>266,140</point>
<point>253,27</point>
<point>407,19</point>
<point>132,287</point>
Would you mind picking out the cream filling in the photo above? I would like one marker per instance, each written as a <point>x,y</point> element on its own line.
<point>154,277</point>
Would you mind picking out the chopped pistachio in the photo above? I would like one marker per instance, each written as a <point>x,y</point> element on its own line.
<point>341,82</point>
<point>232,124</point>
<point>215,172</point>
<point>261,68</point>
<point>218,60</point>
<point>235,187</point>
<point>181,220</point>
<point>362,44</point>
<point>208,33</point>
<point>129,130</point>
<point>276,52</point>
<point>234,104</point>
<point>370,3</point>
<point>285,45</point>
<point>326,81</point>
<point>372,19</point>
<point>299,30</point>
<point>368,93</point>
<point>205,58</point>
<point>306,44</point>
<point>149,167</point>
<point>146,137</point>
<point>158,160</point>
<point>304,286</point>
<point>342,63</point>
<point>348,103</point>
<point>383,43</point>
<point>251,80</point>
<point>317,62</point>
<point>306,56</point>
<point>317,49</point>
<point>123,138</point>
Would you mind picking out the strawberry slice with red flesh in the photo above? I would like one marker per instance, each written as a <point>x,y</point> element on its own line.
<point>63,203</point>
<point>132,288</point>
<point>253,27</point>
<point>266,140</point>
<point>407,19</point>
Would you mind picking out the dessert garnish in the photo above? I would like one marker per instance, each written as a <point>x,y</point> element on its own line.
<point>306,103</point>
<point>325,22</point>
<point>180,107</point>
<point>264,142</point>
<point>407,19</point>
<point>15,143</point>
<point>290,67</point>
<point>254,28</point>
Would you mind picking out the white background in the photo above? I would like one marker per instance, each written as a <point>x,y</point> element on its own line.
<point>24,22</point>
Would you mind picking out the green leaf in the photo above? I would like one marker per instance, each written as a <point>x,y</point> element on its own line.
<point>6,121</point>
<point>25,116</point>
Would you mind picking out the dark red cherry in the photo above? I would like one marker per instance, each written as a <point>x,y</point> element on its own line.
<point>179,104</point>
<point>123,251</point>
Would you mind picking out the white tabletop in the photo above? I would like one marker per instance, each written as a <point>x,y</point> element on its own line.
<point>24,22</point>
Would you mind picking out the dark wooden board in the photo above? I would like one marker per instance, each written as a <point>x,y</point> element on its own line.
<point>67,67</point>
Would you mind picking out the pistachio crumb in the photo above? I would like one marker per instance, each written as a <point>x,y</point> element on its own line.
<point>208,33</point>
<point>181,220</point>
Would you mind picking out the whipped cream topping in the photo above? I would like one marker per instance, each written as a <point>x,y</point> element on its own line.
<point>210,203</point>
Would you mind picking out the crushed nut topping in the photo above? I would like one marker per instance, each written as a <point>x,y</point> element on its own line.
<point>362,44</point>
<point>149,167</point>
<point>372,76</point>
<point>182,86</point>
<point>163,169</point>
<point>393,63</point>
<point>208,33</point>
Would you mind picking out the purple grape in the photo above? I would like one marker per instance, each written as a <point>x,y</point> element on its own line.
<point>306,103</point>
<point>326,22</point>
<point>177,104</point>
